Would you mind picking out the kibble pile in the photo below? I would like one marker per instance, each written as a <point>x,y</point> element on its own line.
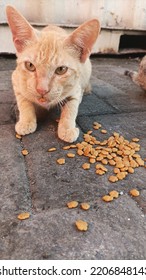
<point>115,151</point>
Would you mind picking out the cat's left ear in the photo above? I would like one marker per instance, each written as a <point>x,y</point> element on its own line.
<point>23,33</point>
<point>84,37</point>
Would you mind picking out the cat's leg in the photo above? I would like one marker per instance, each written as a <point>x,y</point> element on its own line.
<point>27,122</point>
<point>88,89</point>
<point>67,129</point>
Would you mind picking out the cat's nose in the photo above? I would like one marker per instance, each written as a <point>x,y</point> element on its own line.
<point>42,91</point>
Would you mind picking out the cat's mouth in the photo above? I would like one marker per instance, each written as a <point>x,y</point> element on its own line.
<point>42,100</point>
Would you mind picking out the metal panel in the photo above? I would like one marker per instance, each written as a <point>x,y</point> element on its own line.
<point>116,17</point>
<point>117,14</point>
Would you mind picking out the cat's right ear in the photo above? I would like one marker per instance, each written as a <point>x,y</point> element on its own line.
<point>23,33</point>
<point>83,38</point>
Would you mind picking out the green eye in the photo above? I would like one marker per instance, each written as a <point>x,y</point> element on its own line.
<point>61,70</point>
<point>29,66</point>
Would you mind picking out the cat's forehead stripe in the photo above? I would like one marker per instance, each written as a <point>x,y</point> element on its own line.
<point>49,49</point>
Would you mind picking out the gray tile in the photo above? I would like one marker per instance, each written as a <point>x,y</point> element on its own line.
<point>36,183</point>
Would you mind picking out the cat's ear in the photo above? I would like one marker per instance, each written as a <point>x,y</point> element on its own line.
<point>84,37</point>
<point>23,33</point>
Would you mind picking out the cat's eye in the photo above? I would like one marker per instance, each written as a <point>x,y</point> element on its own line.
<point>61,70</point>
<point>29,66</point>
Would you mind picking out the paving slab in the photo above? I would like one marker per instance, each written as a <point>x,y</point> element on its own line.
<point>37,184</point>
<point>116,231</point>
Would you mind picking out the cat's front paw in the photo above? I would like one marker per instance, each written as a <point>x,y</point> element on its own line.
<point>68,135</point>
<point>23,128</point>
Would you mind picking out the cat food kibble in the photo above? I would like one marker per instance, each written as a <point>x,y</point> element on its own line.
<point>135,139</point>
<point>103,131</point>
<point>81,225</point>
<point>85,206</point>
<point>113,179</point>
<point>18,136</point>
<point>52,149</point>
<point>23,216</point>
<point>61,161</point>
<point>66,147</point>
<point>107,198</point>
<point>72,204</point>
<point>92,160</point>
<point>115,151</point>
<point>89,132</point>
<point>114,194</point>
<point>86,166</point>
<point>134,192</point>
<point>42,100</point>
<point>70,155</point>
<point>24,152</point>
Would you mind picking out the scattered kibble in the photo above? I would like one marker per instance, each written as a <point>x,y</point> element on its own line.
<point>84,206</point>
<point>86,166</point>
<point>61,161</point>
<point>18,136</point>
<point>107,198</point>
<point>103,131</point>
<point>113,178</point>
<point>72,204</point>
<point>66,147</point>
<point>89,132</point>
<point>92,160</point>
<point>42,100</point>
<point>70,155</point>
<point>134,192</point>
<point>23,216</point>
<point>81,225</point>
<point>24,152</point>
<point>135,139</point>
<point>80,152</point>
<point>114,194</point>
<point>52,149</point>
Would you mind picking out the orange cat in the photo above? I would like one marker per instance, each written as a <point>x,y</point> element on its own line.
<point>52,68</point>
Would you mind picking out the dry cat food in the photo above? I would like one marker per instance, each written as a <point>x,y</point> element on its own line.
<point>86,166</point>
<point>52,149</point>
<point>72,204</point>
<point>84,206</point>
<point>107,198</point>
<point>66,147</point>
<point>104,131</point>
<point>115,151</point>
<point>61,161</point>
<point>113,179</point>
<point>18,136</point>
<point>42,100</point>
<point>23,216</point>
<point>114,194</point>
<point>81,225</point>
<point>24,152</point>
<point>134,192</point>
<point>135,139</point>
<point>70,155</point>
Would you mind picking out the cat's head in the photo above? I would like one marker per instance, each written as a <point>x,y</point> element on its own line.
<point>50,61</point>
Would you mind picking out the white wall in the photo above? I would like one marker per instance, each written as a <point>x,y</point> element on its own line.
<point>115,15</point>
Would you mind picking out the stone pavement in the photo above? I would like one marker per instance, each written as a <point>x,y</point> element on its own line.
<point>36,184</point>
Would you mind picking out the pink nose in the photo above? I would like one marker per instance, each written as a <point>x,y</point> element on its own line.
<point>42,91</point>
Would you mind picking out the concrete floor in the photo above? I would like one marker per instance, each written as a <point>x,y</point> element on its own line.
<point>36,184</point>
